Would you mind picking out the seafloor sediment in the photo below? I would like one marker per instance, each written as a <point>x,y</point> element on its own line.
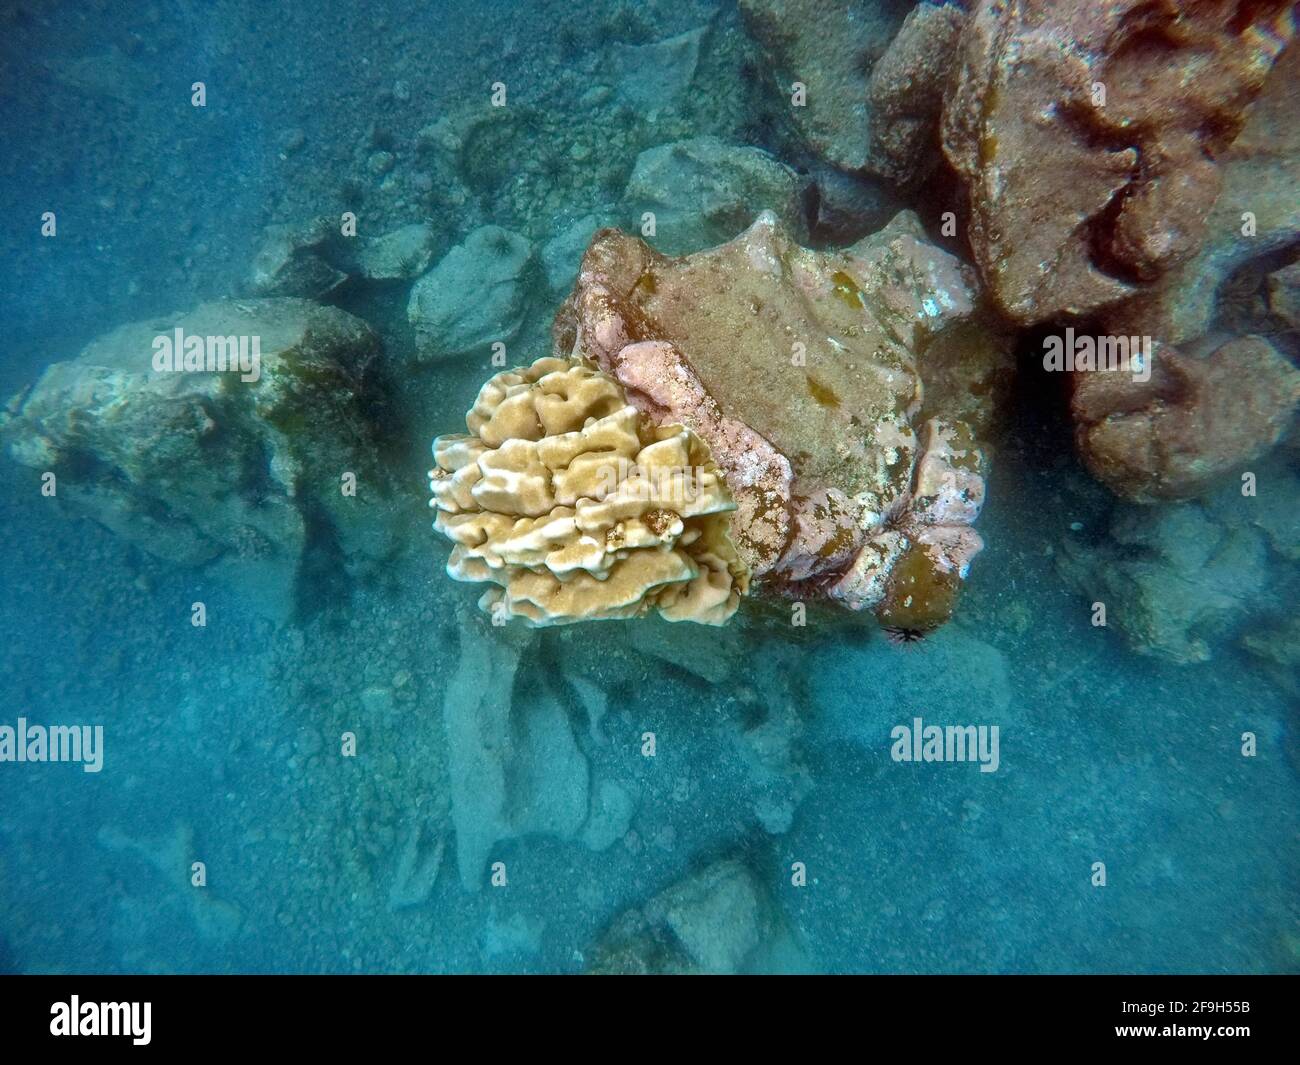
<point>833,310</point>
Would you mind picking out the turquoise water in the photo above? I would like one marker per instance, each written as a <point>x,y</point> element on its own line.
<point>227,744</point>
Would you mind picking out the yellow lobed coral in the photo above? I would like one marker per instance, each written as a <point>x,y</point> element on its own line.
<point>579,508</point>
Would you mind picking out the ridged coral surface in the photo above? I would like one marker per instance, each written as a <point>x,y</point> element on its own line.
<point>578,508</point>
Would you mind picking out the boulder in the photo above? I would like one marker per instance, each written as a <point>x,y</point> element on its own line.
<point>476,295</point>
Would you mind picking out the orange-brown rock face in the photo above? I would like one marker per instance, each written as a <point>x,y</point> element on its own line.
<point>1088,134</point>
<point>1195,420</point>
<point>841,394</point>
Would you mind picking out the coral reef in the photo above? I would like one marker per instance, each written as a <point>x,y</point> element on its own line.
<point>580,508</point>
<point>843,396</point>
<point>222,467</point>
<point>1089,138</point>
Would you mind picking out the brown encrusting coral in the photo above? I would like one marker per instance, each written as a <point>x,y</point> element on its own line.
<point>1195,420</point>
<point>1088,136</point>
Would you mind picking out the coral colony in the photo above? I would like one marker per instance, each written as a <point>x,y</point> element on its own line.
<point>875,510</point>
<point>900,386</point>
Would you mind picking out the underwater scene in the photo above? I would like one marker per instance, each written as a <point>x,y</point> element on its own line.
<point>646,487</point>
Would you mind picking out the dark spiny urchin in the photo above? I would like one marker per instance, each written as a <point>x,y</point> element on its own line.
<point>901,636</point>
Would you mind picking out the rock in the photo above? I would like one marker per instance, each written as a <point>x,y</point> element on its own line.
<point>612,809</point>
<point>830,50</point>
<point>562,253</point>
<point>1273,509</point>
<point>593,702</point>
<point>840,393</point>
<point>1175,579</point>
<point>1277,645</point>
<point>297,260</point>
<point>905,94</point>
<point>377,702</point>
<point>1194,421</point>
<point>710,923</point>
<point>380,163</point>
<point>655,76</point>
<point>1064,220</point>
<point>515,935</point>
<point>400,255</point>
<point>476,295</point>
<point>843,207</point>
<point>172,855</point>
<point>418,863</point>
<point>312,259</point>
<point>704,191</point>
<point>514,765</point>
<point>1284,293</point>
<point>774,768</point>
<point>1260,173</point>
<point>224,468</point>
<point>716,915</point>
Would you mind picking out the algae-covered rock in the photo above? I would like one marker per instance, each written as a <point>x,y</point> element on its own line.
<point>844,395</point>
<point>906,94</point>
<point>1256,216</point>
<point>473,297</point>
<point>243,465</point>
